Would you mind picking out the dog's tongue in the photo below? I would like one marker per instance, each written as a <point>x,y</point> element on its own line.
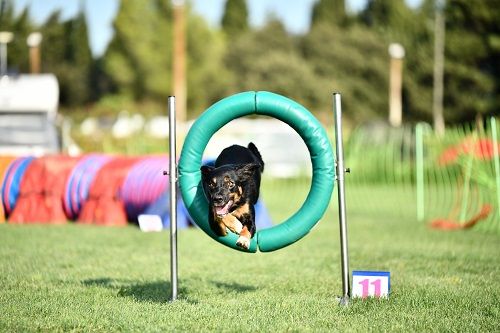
<point>223,210</point>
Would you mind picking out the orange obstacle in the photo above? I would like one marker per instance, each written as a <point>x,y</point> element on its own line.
<point>5,162</point>
<point>444,224</point>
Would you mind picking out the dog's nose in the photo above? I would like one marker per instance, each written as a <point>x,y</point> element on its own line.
<point>218,198</point>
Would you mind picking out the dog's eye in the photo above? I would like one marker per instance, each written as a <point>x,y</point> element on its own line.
<point>230,184</point>
<point>211,185</point>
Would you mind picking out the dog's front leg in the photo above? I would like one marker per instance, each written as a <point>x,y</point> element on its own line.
<point>217,225</point>
<point>244,239</point>
<point>232,223</point>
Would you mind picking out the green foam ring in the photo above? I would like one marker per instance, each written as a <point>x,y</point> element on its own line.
<point>286,110</point>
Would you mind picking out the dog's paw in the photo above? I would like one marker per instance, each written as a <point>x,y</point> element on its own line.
<point>243,242</point>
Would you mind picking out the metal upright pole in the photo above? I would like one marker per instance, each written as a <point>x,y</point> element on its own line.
<point>397,53</point>
<point>173,197</point>
<point>5,38</point>
<point>179,76</point>
<point>496,155</point>
<point>438,71</point>
<point>340,171</point>
<point>3,59</point>
<point>419,161</point>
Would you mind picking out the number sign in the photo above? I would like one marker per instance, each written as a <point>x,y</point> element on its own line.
<point>371,284</point>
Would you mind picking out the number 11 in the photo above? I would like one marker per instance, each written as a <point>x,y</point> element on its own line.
<point>366,285</point>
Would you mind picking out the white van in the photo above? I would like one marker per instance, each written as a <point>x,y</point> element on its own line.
<point>28,111</point>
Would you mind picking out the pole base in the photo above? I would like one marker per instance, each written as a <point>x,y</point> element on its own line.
<point>343,301</point>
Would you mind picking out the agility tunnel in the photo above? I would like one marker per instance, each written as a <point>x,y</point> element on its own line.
<point>12,181</point>
<point>96,189</point>
<point>143,185</point>
<point>41,191</point>
<point>79,181</point>
<point>104,205</point>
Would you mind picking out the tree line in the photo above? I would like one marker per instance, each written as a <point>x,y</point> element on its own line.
<point>342,51</point>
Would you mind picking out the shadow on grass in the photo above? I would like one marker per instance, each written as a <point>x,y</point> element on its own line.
<point>234,287</point>
<point>156,291</point>
<point>159,291</point>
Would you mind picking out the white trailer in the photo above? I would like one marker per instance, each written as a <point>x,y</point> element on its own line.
<point>28,112</point>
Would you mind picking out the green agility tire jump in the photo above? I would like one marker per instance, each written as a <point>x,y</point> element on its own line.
<point>286,110</point>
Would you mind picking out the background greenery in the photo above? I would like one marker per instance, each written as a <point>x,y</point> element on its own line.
<point>342,51</point>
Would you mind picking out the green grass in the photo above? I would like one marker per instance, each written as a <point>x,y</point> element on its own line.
<point>83,278</point>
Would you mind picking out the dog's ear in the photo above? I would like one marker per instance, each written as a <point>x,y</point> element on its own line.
<point>245,171</point>
<point>205,170</point>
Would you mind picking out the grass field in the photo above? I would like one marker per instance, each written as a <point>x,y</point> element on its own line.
<point>83,278</point>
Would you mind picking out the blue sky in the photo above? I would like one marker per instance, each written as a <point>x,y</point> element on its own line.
<point>295,14</point>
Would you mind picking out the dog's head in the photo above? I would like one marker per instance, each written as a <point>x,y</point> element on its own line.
<point>224,186</point>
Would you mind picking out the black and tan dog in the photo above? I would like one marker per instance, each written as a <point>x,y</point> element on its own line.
<point>232,189</point>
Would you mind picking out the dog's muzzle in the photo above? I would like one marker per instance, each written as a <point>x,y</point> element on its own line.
<point>223,209</point>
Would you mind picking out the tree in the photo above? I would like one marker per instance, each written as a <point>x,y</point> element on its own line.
<point>329,12</point>
<point>235,19</point>
<point>394,21</point>
<point>268,59</point>
<point>353,62</point>
<point>138,61</point>
<point>6,15</point>
<point>207,77</point>
<point>53,44</point>
<point>386,13</point>
<point>21,26</point>
<point>18,50</point>
<point>6,24</point>
<point>472,63</point>
<point>139,56</point>
<point>66,53</point>
<point>472,50</point>
<point>77,48</point>
<point>78,59</point>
